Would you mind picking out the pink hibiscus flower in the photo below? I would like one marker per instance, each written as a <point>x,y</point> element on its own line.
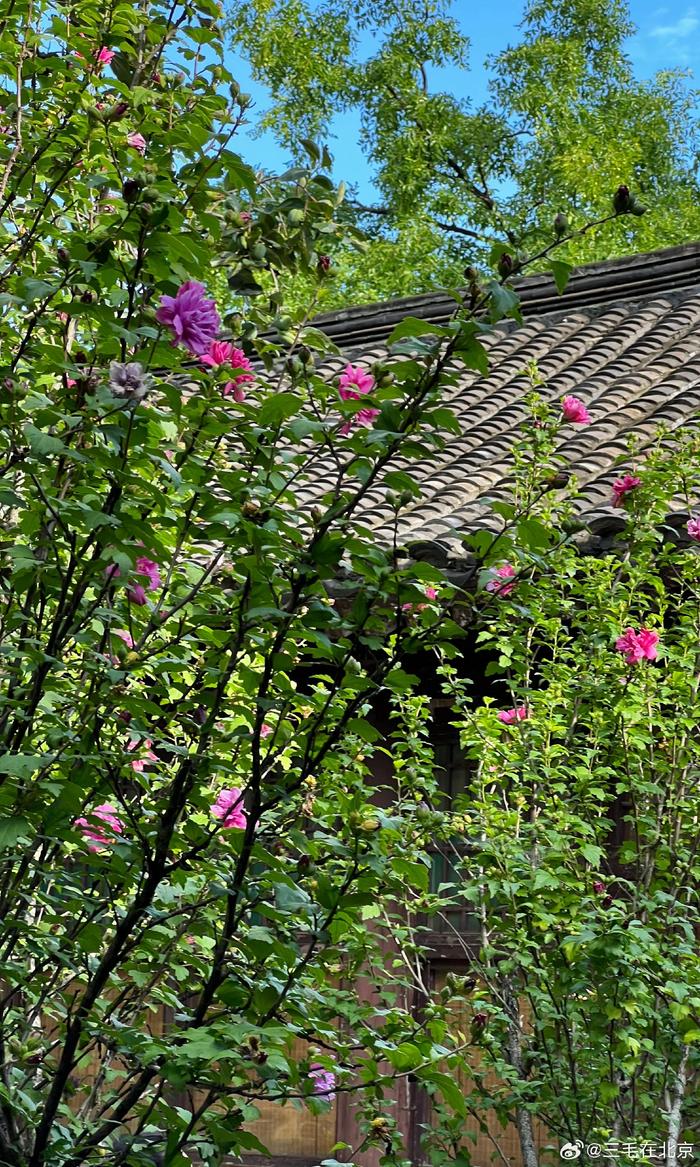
<point>139,764</point>
<point>323,1080</point>
<point>430,593</point>
<point>220,353</point>
<point>505,572</point>
<point>575,411</point>
<point>353,383</point>
<point>124,635</point>
<point>137,141</point>
<point>622,487</point>
<point>638,646</point>
<point>510,716</point>
<point>693,529</point>
<point>228,807</point>
<point>149,570</point>
<point>96,836</point>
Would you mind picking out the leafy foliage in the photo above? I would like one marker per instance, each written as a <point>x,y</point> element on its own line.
<point>566,123</point>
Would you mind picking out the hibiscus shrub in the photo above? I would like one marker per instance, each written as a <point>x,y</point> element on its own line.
<point>578,824</point>
<point>195,623</point>
<point>196,627</point>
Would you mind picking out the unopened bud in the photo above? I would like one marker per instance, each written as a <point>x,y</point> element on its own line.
<point>622,201</point>
<point>294,366</point>
<point>561,225</point>
<point>63,257</point>
<point>324,264</point>
<point>131,190</point>
<point>117,112</point>
<point>506,265</point>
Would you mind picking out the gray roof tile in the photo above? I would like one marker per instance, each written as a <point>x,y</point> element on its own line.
<point>628,345</point>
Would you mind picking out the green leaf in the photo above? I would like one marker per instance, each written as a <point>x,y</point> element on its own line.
<point>278,408</point>
<point>561,272</point>
<point>41,442</point>
<point>503,302</point>
<point>413,326</point>
<point>471,350</point>
<point>450,1090</point>
<point>11,830</point>
<point>21,765</point>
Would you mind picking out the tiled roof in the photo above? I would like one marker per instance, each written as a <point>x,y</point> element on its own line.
<point>624,337</point>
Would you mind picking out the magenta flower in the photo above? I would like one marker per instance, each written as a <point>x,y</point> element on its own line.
<point>623,487</point>
<point>353,383</point>
<point>364,417</point>
<point>97,837</point>
<point>220,353</point>
<point>138,765</point>
<point>137,141</point>
<point>693,529</point>
<point>228,807</point>
<point>102,57</point>
<point>192,319</point>
<point>232,389</point>
<point>323,1080</point>
<point>124,635</point>
<point>510,716</point>
<point>575,411</point>
<point>505,572</point>
<point>150,571</point>
<point>430,593</point>
<point>637,646</point>
<point>265,729</point>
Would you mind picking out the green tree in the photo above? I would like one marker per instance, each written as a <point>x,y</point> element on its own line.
<point>566,122</point>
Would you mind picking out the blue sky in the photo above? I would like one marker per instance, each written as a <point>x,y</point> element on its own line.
<point>668,36</point>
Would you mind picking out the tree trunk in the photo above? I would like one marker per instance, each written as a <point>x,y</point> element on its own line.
<point>675,1109</point>
<point>523,1118</point>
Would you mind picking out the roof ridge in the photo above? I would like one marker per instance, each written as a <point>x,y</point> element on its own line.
<point>629,278</point>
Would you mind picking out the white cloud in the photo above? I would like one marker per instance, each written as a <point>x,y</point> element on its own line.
<point>678,31</point>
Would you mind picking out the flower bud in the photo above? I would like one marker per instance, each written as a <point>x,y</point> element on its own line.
<point>63,257</point>
<point>506,265</point>
<point>324,264</point>
<point>294,366</point>
<point>305,355</point>
<point>622,201</point>
<point>561,225</point>
<point>117,112</point>
<point>131,190</point>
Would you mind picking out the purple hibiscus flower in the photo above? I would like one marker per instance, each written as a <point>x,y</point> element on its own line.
<point>192,319</point>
